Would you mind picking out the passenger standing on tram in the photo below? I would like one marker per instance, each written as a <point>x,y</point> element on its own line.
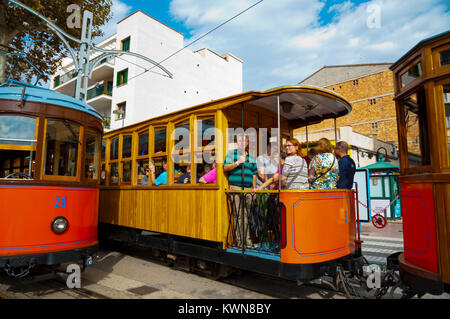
<point>311,153</point>
<point>266,165</point>
<point>272,182</point>
<point>295,170</point>
<point>347,166</point>
<point>242,171</point>
<point>324,168</point>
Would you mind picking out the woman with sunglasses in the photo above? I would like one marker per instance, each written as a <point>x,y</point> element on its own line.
<point>295,169</point>
<point>294,174</point>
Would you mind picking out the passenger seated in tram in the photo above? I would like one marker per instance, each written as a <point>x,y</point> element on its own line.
<point>186,177</point>
<point>209,177</point>
<point>146,171</point>
<point>324,167</point>
<point>266,165</point>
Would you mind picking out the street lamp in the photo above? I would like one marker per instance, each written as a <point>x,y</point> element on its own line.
<point>380,156</point>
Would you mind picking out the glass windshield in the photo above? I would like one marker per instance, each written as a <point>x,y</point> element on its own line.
<point>61,148</point>
<point>17,130</point>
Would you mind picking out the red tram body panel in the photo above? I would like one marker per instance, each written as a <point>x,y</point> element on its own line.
<point>419,226</point>
<point>29,211</point>
<point>49,178</point>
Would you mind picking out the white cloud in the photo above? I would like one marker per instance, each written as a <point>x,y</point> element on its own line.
<point>282,42</point>
<point>119,11</point>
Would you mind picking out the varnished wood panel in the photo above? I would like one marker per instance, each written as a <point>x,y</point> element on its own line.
<point>442,202</point>
<point>190,213</point>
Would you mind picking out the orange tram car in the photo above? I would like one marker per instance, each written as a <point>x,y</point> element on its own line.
<point>296,235</point>
<point>49,178</point>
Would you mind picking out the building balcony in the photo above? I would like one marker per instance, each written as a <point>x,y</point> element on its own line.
<point>66,83</point>
<point>100,97</point>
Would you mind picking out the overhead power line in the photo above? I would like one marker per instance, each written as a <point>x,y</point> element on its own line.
<point>196,40</point>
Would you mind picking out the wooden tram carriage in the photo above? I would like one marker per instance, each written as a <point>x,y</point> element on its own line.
<point>422,96</point>
<point>316,228</point>
<point>49,176</point>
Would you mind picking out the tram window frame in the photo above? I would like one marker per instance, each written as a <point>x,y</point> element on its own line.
<point>97,154</point>
<point>200,149</point>
<point>444,144</point>
<point>155,157</point>
<point>185,153</point>
<point>125,160</point>
<point>112,161</point>
<point>80,152</point>
<point>416,62</point>
<point>14,146</point>
<point>140,169</point>
<point>423,137</point>
<point>437,57</point>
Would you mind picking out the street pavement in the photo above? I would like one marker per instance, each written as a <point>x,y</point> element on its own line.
<point>378,244</point>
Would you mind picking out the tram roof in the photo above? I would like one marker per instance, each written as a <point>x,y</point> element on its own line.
<point>13,91</point>
<point>310,104</point>
<point>419,45</point>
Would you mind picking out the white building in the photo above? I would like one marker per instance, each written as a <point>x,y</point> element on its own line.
<point>123,91</point>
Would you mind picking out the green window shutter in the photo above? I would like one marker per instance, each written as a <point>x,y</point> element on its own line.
<point>118,79</point>
<point>126,45</point>
<point>125,76</point>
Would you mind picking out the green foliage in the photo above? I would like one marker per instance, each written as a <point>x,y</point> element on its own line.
<point>23,31</point>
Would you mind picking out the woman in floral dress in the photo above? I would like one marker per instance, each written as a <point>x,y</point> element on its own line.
<point>324,167</point>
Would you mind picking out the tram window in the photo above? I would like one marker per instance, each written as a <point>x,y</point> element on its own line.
<point>61,148</point>
<point>205,132</point>
<point>416,129</point>
<point>445,57</point>
<point>181,152</point>
<point>204,162</point>
<point>412,74</point>
<point>160,168</point>
<point>91,156</point>
<point>126,146</point>
<point>17,130</point>
<point>126,172</point>
<point>446,92</point>
<point>160,140</point>
<point>103,150</point>
<point>103,175</point>
<point>114,173</point>
<point>142,167</point>
<point>114,152</point>
<point>16,164</point>
<point>143,144</point>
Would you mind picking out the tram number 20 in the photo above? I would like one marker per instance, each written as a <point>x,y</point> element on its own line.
<point>60,202</point>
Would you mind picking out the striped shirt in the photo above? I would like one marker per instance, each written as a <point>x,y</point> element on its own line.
<point>235,175</point>
<point>292,165</point>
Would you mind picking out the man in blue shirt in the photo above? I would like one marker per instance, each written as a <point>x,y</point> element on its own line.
<point>347,166</point>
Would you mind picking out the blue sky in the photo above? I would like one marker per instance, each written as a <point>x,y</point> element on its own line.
<point>283,41</point>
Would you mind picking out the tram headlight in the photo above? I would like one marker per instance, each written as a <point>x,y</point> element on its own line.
<point>59,225</point>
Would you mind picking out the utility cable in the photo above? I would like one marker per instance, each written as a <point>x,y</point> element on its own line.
<point>204,35</point>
